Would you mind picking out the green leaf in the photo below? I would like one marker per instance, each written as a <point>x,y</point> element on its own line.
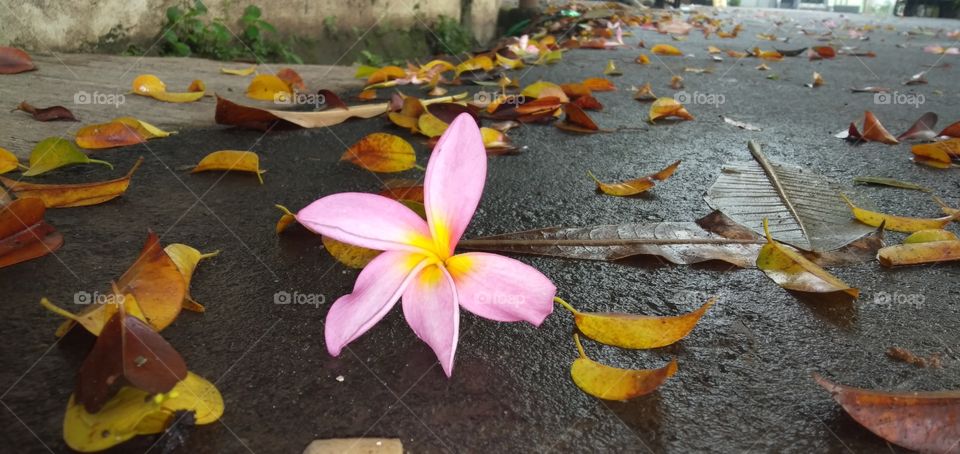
<point>252,12</point>
<point>174,14</point>
<point>53,153</point>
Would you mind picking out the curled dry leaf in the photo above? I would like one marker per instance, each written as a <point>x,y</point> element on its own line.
<point>286,220</point>
<point>635,186</point>
<point>635,331</point>
<point>644,93</point>
<point>922,129</point>
<point>792,271</point>
<point>588,102</point>
<point>938,154</point>
<point>824,52</point>
<point>897,223</point>
<point>348,254</point>
<point>128,352</point>
<point>598,84</point>
<point>233,114</point>
<point>152,86</point>
<point>72,195</point>
<point>13,61</point>
<point>643,59</point>
<point>117,133</point>
<point>612,383</point>
<point>187,258</point>
<point>268,87</point>
<point>881,181</point>
<point>409,114</point>
<point>292,79</point>
<point>611,69</point>
<point>817,80</point>
<point>54,113</point>
<point>133,412</point>
<point>919,420</point>
<point>676,82</point>
<point>919,78</point>
<point>382,152</point>
<point>24,234</point>
<point>667,108</point>
<point>228,160</point>
<point>665,49</point>
<point>53,153</point>
<point>576,120</point>
<point>952,130</point>
<point>496,142</point>
<point>239,71</point>
<point>873,131</point>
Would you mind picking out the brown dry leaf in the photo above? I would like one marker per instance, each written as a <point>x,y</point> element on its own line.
<point>897,223</point>
<point>665,49</point>
<point>676,82</point>
<point>268,87</point>
<point>873,131</point>
<point>292,79</point>
<point>952,130</point>
<point>53,113</point>
<point>588,103</point>
<point>635,331</point>
<point>72,195</point>
<point>382,152</point>
<point>13,61</point>
<point>643,59</point>
<point>918,420</point>
<point>635,186</point>
<point>348,254</point>
<point>24,234</point>
<point>644,93</point>
<point>574,90</point>
<point>612,383</point>
<point>666,108</point>
<point>792,271</point>
<point>824,52</point>
<point>331,100</point>
<point>152,86</point>
<point>576,120</point>
<point>228,160</point>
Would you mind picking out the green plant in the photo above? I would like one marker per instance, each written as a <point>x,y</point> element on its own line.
<point>187,33</point>
<point>449,37</point>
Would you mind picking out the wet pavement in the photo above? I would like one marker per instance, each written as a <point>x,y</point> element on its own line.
<point>744,379</point>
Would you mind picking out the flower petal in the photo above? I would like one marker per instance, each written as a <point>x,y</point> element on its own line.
<point>500,288</point>
<point>454,182</point>
<point>368,220</point>
<point>431,308</point>
<point>377,289</point>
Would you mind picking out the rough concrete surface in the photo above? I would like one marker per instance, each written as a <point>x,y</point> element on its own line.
<point>744,373</point>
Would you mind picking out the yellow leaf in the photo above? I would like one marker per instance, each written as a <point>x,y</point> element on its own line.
<point>668,107</point>
<point>268,87</point>
<point>239,72</point>
<point>635,331</point>
<point>665,49</point>
<point>635,186</point>
<point>544,89</point>
<point>152,86</point>
<point>72,195</point>
<point>243,161</point>
<point>919,253</point>
<point>286,220</point>
<point>431,126</point>
<point>382,152</point>
<point>930,235</point>
<point>897,223</point>
<point>612,383</point>
<point>348,254</point>
<point>8,161</point>
<point>792,271</point>
<point>186,258</point>
<point>611,69</point>
<point>480,62</point>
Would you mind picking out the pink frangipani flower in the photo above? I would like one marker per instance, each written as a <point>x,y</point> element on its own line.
<point>418,264</point>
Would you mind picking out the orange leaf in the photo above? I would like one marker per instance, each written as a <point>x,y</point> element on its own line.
<point>599,84</point>
<point>108,135</point>
<point>573,90</point>
<point>577,120</point>
<point>937,154</point>
<point>72,195</point>
<point>825,51</point>
<point>228,160</point>
<point>24,234</point>
<point>635,186</point>
<point>386,73</point>
<point>873,131</point>
<point>13,61</point>
<point>665,49</point>
<point>381,152</point>
<point>292,79</point>
<point>668,107</point>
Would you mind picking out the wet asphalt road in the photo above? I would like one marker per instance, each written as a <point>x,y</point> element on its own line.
<point>744,381</point>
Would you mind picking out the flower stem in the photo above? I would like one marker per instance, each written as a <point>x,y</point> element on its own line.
<point>565,304</point>
<point>419,167</point>
<point>209,254</point>
<point>576,339</point>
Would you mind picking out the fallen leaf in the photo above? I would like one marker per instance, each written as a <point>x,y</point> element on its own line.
<point>331,100</point>
<point>13,61</point>
<point>612,383</point>
<point>72,195</point>
<point>906,356</point>
<point>918,420</point>
<point>240,71</point>
<point>544,89</point>
<point>665,49</point>
<point>186,259</point>
<point>263,119</point>
<point>228,160</point>
<point>588,102</point>
<point>268,87</point>
<point>152,86</point>
<point>431,126</point>
<point>920,253</point>
<point>930,235</point>
<point>24,234</point>
<point>922,129</point>
<point>873,131</point>
<point>791,52</point>
<point>666,108</point>
<point>8,162</point>
<point>635,186</point>
<point>919,78</point>
<point>230,113</point>
<point>576,120</point>
<point>937,154</point>
<point>348,254</point>
<point>448,111</point>
<point>770,55</point>
<point>792,271</point>
<point>598,84</point>
<point>611,69</point>
<point>367,95</point>
<point>741,125</point>
<point>870,90</point>
<point>496,142</point>
<point>384,74</point>
<point>643,59</point>
<point>825,51</point>
<point>644,93</point>
<point>403,190</point>
<point>817,80</point>
<point>897,223</point>
<point>54,113</point>
<point>53,153</point>
<point>951,131</point>
<point>804,208</point>
<point>890,182</point>
<point>358,445</point>
<point>119,132</point>
<point>292,79</point>
<point>676,82</point>
<point>286,220</point>
<point>127,352</point>
<point>382,152</point>
<point>763,67</point>
<point>635,331</point>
